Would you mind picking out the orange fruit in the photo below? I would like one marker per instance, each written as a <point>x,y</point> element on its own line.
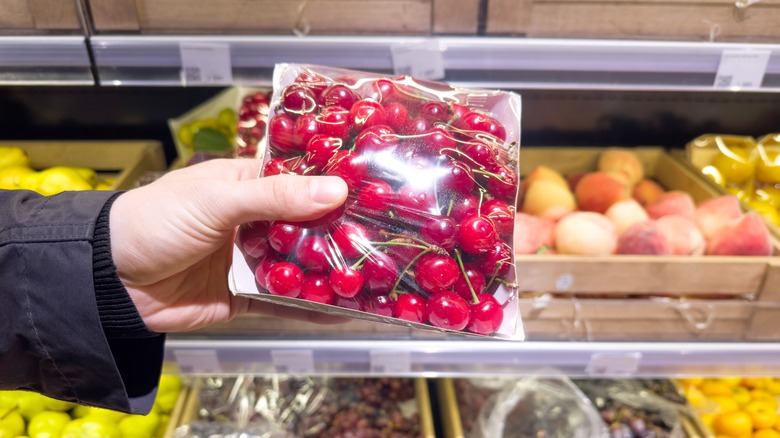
<point>772,386</point>
<point>725,404</point>
<point>712,388</point>
<point>762,414</point>
<point>731,381</point>
<point>741,395</point>
<point>766,433</point>
<point>736,424</point>
<point>753,382</point>
<point>761,395</point>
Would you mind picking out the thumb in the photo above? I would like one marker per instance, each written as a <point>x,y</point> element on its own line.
<point>282,197</point>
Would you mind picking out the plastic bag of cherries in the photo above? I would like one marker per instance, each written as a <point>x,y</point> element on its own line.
<point>425,236</point>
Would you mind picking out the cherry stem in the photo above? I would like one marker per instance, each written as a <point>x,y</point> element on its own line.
<point>481,198</point>
<point>449,208</point>
<point>405,236</point>
<point>489,174</point>
<point>398,243</point>
<point>468,281</point>
<point>462,154</point>
<point>406,268</point>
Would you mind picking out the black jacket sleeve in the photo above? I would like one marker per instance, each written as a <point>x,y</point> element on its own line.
<point>68,328</point>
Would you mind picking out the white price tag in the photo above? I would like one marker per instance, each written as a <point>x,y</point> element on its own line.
<point>391,362</point>
<point>198,361</point>
<point>293,361</point>
<point>613,364</point>
<point>205,64</point>
<point>742,69</point>
<point>419,60</point>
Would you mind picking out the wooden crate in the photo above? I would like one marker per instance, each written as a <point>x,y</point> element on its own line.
<point>35,16</point>
<point>621,275</point>
<point>508,17</point>
<point>192,405</point>
<point>124,160</point>
<point>329,17</point>
<point>708,20</point>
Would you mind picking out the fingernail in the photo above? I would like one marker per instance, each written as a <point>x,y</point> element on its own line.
<point>327,190</point>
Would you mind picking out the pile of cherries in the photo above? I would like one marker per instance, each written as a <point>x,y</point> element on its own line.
<point>425,234</point>
<point>252,122</point>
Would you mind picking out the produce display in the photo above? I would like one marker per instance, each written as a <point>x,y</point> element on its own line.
<point>29,414</point>
<point>426,233</point>
<point>747,168</point>
<point>282,406</point>
<point>736,407</point>
<point>16,173</point>
<point>616,210</point>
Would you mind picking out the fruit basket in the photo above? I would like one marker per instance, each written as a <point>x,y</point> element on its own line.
<point>294,406</point>
<point>708,20</point>
<point>123,162</point>
<point>639,275</point>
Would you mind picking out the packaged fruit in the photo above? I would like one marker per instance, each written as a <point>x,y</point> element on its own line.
<point>425,236</point>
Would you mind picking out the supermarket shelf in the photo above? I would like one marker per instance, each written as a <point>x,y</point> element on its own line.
<point>44,60</point>
<point>457,357</point>
<point>474,61</point>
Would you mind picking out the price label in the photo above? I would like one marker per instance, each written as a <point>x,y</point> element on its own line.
<point>198,361</point>
<point>293,361</point>
<point>742,69</point>
<point>613,364</point>
<point>391,362</point>
<point>205,64</point>
<point>419,60</point>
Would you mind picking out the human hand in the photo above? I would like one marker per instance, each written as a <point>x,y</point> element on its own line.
<point>172,240</point>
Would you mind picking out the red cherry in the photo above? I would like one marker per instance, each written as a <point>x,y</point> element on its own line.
<point>321,148</point>
<point>261,271</point>
<point>479,154</point>
<point>375,139</point>
<point>459,110</point>
<point>313,253</point>
<point>375,197</point>
<point>476,234</point>
<point>397,115</point>
<point>355,303</point>
<point>330,217</point>
<point>441,231</point>
<point>350,166</point>
<point>476,278</point>
<point>435,112</point>
<point>275,166</point>
<point>285,279</point>
<point>284,236</point>
<point>300,166</point>
<point>306,127</point>
<point>416,126</point>
<point>339,95</point>
<point>486,316</point>
<point>381,305</point>
<point>260,98</point>
<point>415,203</point>
<point>411,307</point>
<point>351,239</point>
<point>298,99</point>
<point>334,122</point>
<point>254,239</point>
<point>474,123</point>
<point>501,214</point>
<point>496,261</point>
<point>316,288</point>
<point>447,310</point>
<point>313,81</point>
<point>380,273</point>
<point>438,141</point>
<point>281,133</point>
<point>504,187</point>
<point>383,90</point>
<point>457,178</point>
<point>463,207</point>
<point>435,273</point>
<point>366,113</point>
<point>345,281</point>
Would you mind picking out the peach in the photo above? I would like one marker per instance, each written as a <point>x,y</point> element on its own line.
<point>585,233</point>
<point>622,161</point>
<point>544,173</point>
<point>716,213</point>
<point>672,203</point>
<point>744,236</point>
<point>548,199</point>
<point>625,213</point>
<point>644,238</point>
<point>646,191</point>
<point>683,235</point>
<point>574,179</point>
<point>532,233</point>
<point>597,191</point>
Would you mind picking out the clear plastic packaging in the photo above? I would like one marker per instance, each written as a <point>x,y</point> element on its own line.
<point>425,237</point>
<point>550,406</point>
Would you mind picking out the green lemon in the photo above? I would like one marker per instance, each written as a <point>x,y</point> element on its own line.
<point>48,424</point>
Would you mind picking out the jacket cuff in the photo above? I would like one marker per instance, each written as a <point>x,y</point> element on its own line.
<point>118,314</point>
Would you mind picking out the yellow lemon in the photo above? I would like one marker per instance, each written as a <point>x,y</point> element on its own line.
<point>60,179</point>
<point>87,174</point>
<point>731,381</point>
<point>725,404</point>
<point>761,395</point>
<point>773,387</point>
<point>695,397</point>
<point>737,424</point>
<point>766,433</point>
<point>712,388</point>
<point>741,395</point>
<point>11,176</point>
<point>13,156</point>
<point>753,382</point>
